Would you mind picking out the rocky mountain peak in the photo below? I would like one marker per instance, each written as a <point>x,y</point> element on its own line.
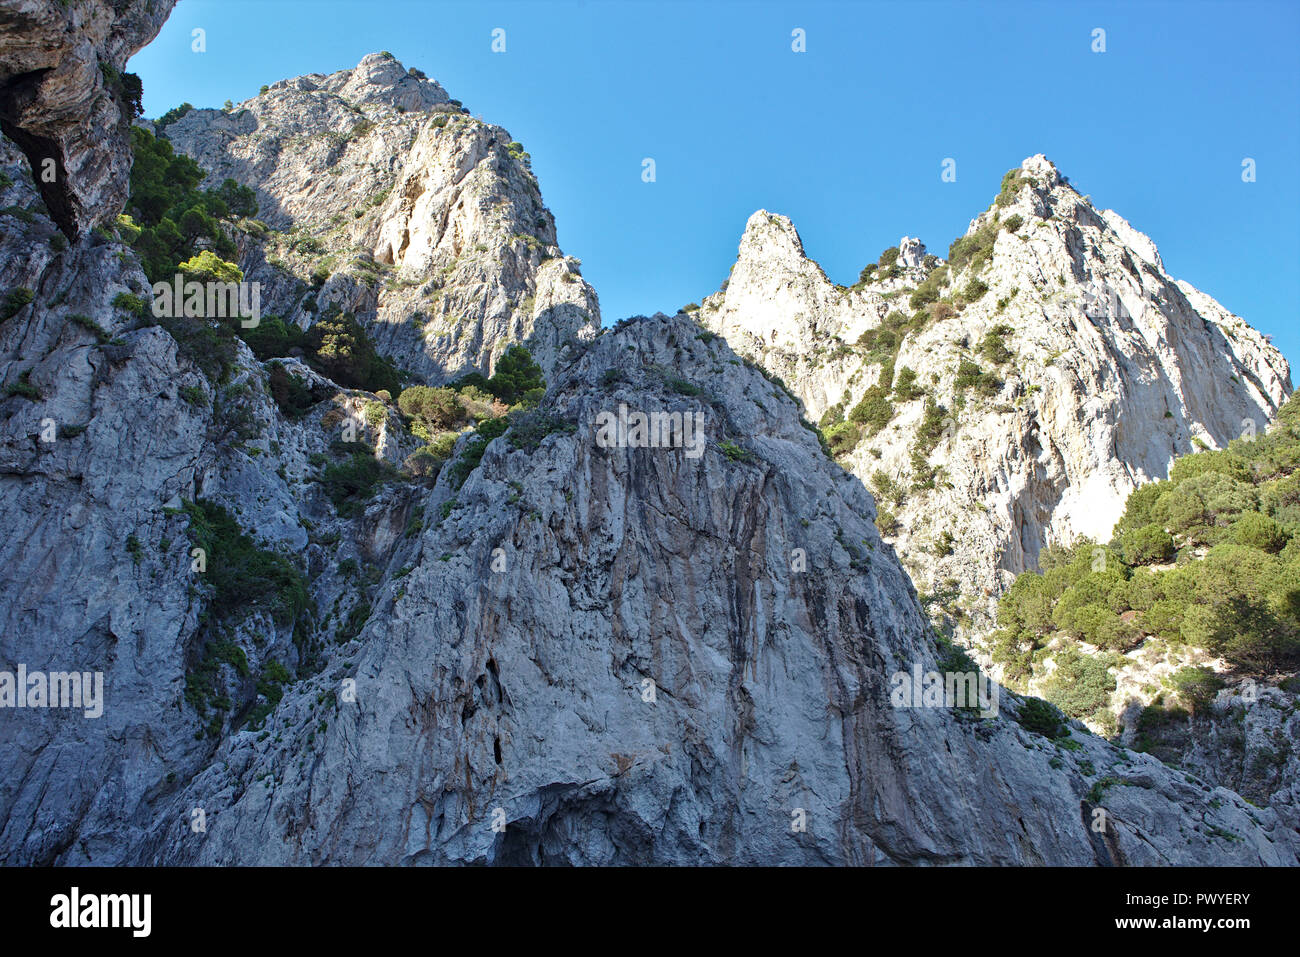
<point>1042,169</point>
<point>770,236</point>
<point>379,79</point>
<point>387,201</point>
<point>774,283</point>
<point>1047,367</point>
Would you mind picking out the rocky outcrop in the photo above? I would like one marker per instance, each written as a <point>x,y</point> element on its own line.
<point>607,655</point>
<point>1064,364</point>
<point>911,252</point>
<point>108,428</point>
<point>64,102</point>
<point>567,651</point>
<point>388,200</point>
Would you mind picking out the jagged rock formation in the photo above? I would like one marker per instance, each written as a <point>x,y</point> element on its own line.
<point>520,685</point>
<point>61,97</point>
<point>387,200</point>
<point>434,653</point>
<point>911,252</point>
<point>1244,740</point>
<point>1248,744</point>
<point>119,429</point>
<point>1100,369</point>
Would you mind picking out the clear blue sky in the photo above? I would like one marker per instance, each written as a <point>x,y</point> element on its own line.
<point>846,138</point>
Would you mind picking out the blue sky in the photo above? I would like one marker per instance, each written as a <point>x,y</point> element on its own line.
<point>846,138</point>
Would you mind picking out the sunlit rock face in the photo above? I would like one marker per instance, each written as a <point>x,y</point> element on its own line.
<point>389,202</point>
<point>1110,369</point>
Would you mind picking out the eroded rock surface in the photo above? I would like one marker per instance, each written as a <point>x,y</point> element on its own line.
<point>622,654</point>
<point>389,202</point>
<point>62,99</point>
<point>1110,369</point>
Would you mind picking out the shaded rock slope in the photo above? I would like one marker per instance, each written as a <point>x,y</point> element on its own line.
<point>63,99</point>
<point>520,686</point>
<point>563,652</point>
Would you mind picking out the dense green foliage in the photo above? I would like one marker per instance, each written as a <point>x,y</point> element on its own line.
<point>173,215</point>
<point>352,482</point>
<point>242,575</point>
<point>1040,717</point>
<point>842,437</point>
<point>436,414</point>
<point>971,376</point>
<point>906,386</point>
<point>437,409</point>
<point>1082,684</point>
<point>874,412</point>
<point>936,422</point>
<point>993,348</point>
<point>930,288</point>
<point>289,392</point>
<point>127,91</point>
<point>1208,559</point>
<point>516,377</point>
<point>1196,686</point>
<point>207,266</point>
<point>974,250</point>
<point>14,301</point>
<point>528,428</point>
<point>517,384</point>
<point>172,115</point>
<point>336,345</point>
<point>1012,182</point>
<point>883,341</point>
<point>340,348</point>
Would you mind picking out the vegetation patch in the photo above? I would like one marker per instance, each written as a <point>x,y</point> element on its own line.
<point>173,215</point>
<point>354,481</point>
<point>1208,559</point>
<point>1041,717</point>
<point>14,301</point>
<point>241,575</point>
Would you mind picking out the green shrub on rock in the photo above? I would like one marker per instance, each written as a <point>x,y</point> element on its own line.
<point>874,411</point>
<point>1040,717</point>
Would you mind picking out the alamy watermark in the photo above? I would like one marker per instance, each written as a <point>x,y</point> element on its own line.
<point>651,430</point>
<point>57,689</point>
<point>75,910</point>
<point>969,690</point>
<point>212,300</point>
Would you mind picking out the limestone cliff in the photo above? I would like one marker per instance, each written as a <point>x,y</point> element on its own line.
<point>389,200</point>
<point>1031,385</point>
<point>558,651</point>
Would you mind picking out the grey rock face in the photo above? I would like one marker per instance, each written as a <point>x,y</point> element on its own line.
<point>1248,744</point>
<point>57,101</point>
<point>426,223</point>
<point>911,252</point>
<point>115,430</point>
<point>511,685</point>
